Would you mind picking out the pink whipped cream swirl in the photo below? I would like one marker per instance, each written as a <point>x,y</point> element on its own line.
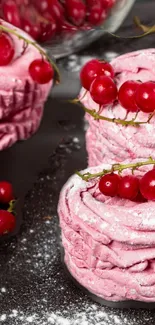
<point>113,142</point>
<point>109,242</point>
<point>21,99</point>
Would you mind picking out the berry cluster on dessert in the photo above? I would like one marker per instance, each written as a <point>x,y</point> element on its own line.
<point>26,78</point>
<point>45,19</point>
<point>107,211</point>
<point>128,95</point>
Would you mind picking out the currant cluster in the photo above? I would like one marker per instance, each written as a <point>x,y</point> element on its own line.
<point>98,78</point>
<point>45,19</point>
<point>129,187</point>
<point>7,219</point>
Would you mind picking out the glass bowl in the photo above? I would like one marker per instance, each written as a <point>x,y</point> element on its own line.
<point>69,44</point>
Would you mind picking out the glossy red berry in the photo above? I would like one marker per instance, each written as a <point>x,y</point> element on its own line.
<point>32,29</point>
<point>147,185</point>
<point>145,97</point>
<point>126,95</point>
<point>41,71</point>
<point>108,184</point>
<point>7,222</point>
<point>76,11</point>
<point>103,90</point>
<point>56,10</point>
<point>106,69</point>
<point>96,15</point>
<point>42,5</point>
<point>108,4</point>
<point>47,30</point>
<point>67,27</point>
<point>6,49</point>
<point>89,72</point>
<point>11,13</point>
<point>6,192</point>
<point>128,187</point>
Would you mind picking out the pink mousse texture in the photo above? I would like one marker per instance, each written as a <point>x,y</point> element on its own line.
<point>107,141</point>
<point>109,242</point>
<point>21,99</point>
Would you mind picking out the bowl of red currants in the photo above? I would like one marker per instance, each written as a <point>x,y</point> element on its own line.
<point>65,26</point>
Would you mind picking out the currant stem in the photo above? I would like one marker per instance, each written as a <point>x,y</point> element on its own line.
<point>116,167</point>
<point>97,116</point>
<point>145,28</point>
<point>29,42</point>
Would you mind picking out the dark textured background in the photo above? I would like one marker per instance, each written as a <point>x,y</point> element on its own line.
<point>34,288</point>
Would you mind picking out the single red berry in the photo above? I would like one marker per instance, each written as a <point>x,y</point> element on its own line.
<point>108,4</point>
<point>6,192</point>
<point>76,11</point>
<point>126,95</point>
<point>11,13</point>
<point>89,72</point>
<point>106,69</point>
<point>41,71</point>
<point>128,187</point>
<point>6,49</point>
<point>47,30</point>
<point>96,15</point>
<point>145,96</point>
<point>33,29</point>
<point>56,10</point>
<point>42,5</point>
<point>108,184</point>
<point>103,90</point>
<point>147,185</point>
<point>7,222</point>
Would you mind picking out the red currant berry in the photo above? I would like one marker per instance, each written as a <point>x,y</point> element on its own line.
<point>32,29</point>
<point>56,10</point>
<point>106,69</point>
<point>108,4</point>
<point>41,71</point>
<point>6,192</point>
<point>11,13</point>
<point>7,222</point>
<point>89,72</point>
<point>76,11</point>
<point>96,15</point>
<point>145,96</point>
<point>108,184</point>
<point>103,90</point>
<point>42,5</point>
<point>6,49</point>
<point>126,95</point>
<point>147,185</point>
<point>128,187</point>
<point>48,30</point>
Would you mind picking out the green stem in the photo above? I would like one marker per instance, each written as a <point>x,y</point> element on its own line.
<point>34,44</point>
<point>116,167</point>
<point>97,116</point>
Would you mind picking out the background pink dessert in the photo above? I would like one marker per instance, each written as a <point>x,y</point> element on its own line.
<point>21,99</point>
<point>113,142</point>
<point>109,242</point>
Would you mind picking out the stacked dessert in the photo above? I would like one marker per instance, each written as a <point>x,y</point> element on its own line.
<point>25,82</point>
<point>107,211</point>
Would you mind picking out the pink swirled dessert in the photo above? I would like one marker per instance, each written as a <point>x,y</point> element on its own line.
<point>25,82</point>
<point>124,89</point>
<point>109,238</point>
